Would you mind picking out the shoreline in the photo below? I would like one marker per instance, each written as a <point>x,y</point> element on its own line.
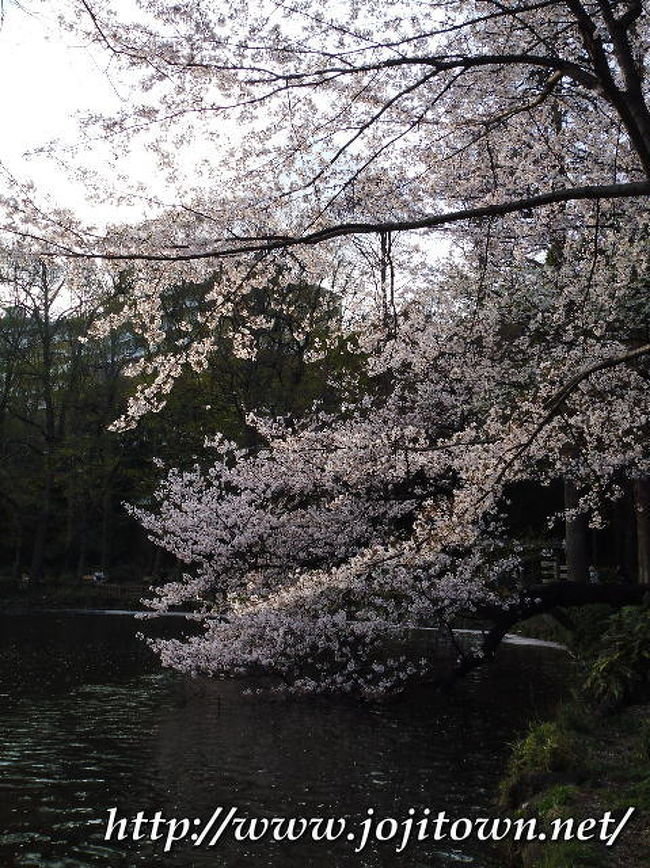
<point>508,639</point>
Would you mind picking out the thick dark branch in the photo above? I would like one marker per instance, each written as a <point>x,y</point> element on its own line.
<point>559,398</point>
<point>618,30</point>
<point>441,63</point>
<point>539,600</point>
<point>629,102</point>
<point>555,404</point>
<point>341,230</point>
<point>634,12</point>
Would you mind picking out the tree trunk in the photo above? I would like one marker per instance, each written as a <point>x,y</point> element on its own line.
<point>576,538</point>
<point>107,503</point>
<point>17,554</point>
<point>82,537</point>
<point>642,513</point>
<point>37,568</point>
<point>43,318</point>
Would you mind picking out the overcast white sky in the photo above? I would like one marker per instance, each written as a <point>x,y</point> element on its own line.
<point>46,80</point>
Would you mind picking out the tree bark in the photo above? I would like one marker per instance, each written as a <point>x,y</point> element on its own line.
<point>642,513</point>
<point>538,600</point>
<point>576,538</point>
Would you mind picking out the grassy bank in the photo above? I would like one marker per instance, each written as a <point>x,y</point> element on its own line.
<point>594,756</point>
<point>580,766</point>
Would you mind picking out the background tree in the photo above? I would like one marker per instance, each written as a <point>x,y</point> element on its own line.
<point>65,475</point>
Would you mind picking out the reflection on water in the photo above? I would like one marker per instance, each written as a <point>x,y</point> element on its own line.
<point>88,722</point>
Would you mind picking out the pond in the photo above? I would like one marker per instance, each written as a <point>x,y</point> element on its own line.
<point>89,722</point>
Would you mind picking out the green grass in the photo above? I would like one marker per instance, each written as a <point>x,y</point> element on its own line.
<point>580,765</point>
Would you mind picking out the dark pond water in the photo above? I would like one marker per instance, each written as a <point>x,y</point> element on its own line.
<point>89,722</point>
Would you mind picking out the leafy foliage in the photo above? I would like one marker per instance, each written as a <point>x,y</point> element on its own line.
<point>619,672</point>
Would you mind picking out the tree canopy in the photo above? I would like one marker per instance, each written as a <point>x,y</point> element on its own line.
<point>340,143</point>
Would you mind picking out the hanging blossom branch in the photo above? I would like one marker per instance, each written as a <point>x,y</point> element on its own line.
<point>555,404</point>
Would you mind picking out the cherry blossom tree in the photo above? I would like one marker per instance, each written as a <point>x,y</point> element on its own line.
<point>345,141</point>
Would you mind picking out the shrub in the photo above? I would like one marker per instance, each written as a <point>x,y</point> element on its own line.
<point>540,759</point>
<point>619,673</point>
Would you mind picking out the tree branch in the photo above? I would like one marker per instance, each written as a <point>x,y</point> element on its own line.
<point>539,600</point>
<point>560,396</point>
<point>268,244</point>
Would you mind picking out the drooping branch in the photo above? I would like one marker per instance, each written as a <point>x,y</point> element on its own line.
<point>612,362</point>
<point>271,243</point>
<point>540,600</point>
<point>343,67</point>
<point>555,404</point>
